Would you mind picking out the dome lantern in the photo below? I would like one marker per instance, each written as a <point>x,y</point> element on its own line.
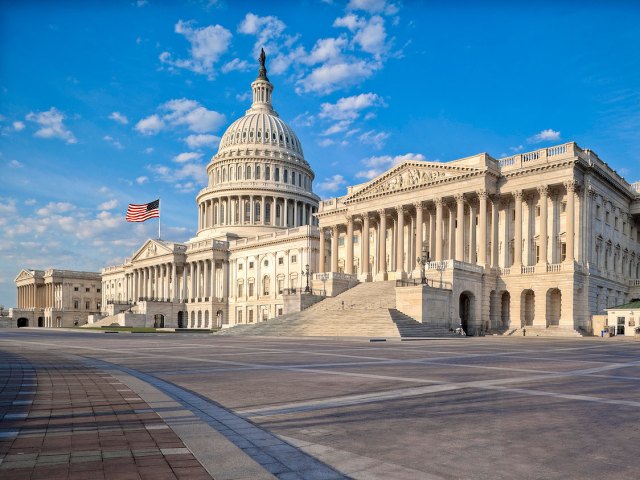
<point>262,89</point>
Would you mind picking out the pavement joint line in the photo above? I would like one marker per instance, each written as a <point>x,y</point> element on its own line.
<point>213,416</point>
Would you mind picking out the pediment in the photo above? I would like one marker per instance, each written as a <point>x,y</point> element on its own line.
<point>411,174</point>
<point>151,248</point>
<point>24,275</point>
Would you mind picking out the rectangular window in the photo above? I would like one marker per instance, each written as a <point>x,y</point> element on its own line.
<point>75,289</point>
<point>276,177</point>
<point>98,290</point>
<point>239,316</point>
<point>294,258</point>
<point>76,304</point>
<point>240,266</point>
<point>250,264</point>
<point>88,289</point>
<point>267,173</point>
<point>285,176</point>
<point>280,285</point>
<point>98,305</point>
<point>87,305</point>
<point>563,251</point>
<point>250,315</point>
<point>257,172</point>
<point>281,261</point>
<point>341,241</point>
<point>240,290</point>
<point>251,289</point>
<point>607,217</point>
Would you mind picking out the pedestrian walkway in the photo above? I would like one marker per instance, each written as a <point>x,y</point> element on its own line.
<point>60,420</point>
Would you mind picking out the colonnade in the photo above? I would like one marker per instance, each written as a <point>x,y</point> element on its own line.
<point>471,232</point>
<point>197,280</point>
<point>255,210</point>
<point>39,296</point>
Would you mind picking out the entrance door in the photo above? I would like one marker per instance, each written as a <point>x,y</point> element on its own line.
<point>465,311</point>
<point>41,321</point>
<point>181,320</point>
<point>23,322</point>
<point>158,321</point>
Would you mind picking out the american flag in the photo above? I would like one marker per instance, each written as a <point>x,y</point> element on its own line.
<point>144,211</point>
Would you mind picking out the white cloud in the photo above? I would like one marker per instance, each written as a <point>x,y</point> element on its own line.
<point>332,184</point>
<point>327,49</point>
<point>187,157</point>
<point>15,164</point>
<point>108,205</point>
<point>30,201</point>
<point>54,208</point>
<point>236,64</point>
<point>113,141</point>
<point>377,139</point>
<point>328,78</point>
<point>18,125</point>
<point>519,148</point>
<point>51,125</point>
<point>142,180</point>
<point>179,112</point>
<point>194,172</point>
<point>372,36</point>
<point>150,125</point>
<point>118,117</point>
<point>373,6</point>
<point>376,165</point>
<point>326,142</point>
<point>202,140</point>
<point>548,135</point>
<point>348,108</point>
<point>207,45</point>
<point>148,150</point>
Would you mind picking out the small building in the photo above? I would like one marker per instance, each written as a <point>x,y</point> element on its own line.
<point>56,298</point>
<point>624,319</point>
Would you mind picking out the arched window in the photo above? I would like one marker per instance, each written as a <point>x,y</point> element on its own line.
<point>224,174</point>
<point>247,211</point>
<point>276,175</point>
<point>257,211</point>
<point>241,288</point>
<point>239,172</point>
<point>285,176</point>
<point>257,176</point>
<point>267,172</point>
<point>267,212</point>
<point>248,170</point>
<point>266,282</point>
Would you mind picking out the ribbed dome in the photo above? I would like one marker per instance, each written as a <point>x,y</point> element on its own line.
<point>259,130</point>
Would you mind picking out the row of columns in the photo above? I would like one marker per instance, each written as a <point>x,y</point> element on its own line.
<point>478,208</point>
<point>198,279</point>
<point>38,296</point>
<point>231,210</point>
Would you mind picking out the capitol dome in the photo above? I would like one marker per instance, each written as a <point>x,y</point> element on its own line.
<point>258,179</point>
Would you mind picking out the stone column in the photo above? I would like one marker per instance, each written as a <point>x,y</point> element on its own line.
<point>382,245</point>
<point>295,213</point>
<point>321,260</point>
<point>419,237</point>
<point>349,261</point>
<point>517,244</point>
<point>173,294</point>
<point>213,279</point>
<point>495,230</point>
<point>543,190</point>
<point>438,233</point>
<point>571,189</point>
<point>400,242</point>
<point>285,213</point>
<point>364,238</point>
<point>473,208</point>
<point>482,229</point>
<point>273,211</point>
<point>459,252</point>
<point>334,248</point>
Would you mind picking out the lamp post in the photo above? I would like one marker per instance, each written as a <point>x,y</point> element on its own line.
<point>422,261</point>
<point>306,273</point>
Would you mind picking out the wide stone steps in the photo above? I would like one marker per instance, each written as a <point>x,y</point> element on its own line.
<point>366,310</point>
<point>545,332</point>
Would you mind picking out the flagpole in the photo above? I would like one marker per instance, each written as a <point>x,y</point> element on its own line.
<point>159,218</point>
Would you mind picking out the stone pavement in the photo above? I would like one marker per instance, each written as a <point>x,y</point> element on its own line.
<point>464,408</point>
<point>62,420</point>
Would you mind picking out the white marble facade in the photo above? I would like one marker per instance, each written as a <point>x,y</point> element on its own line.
<point>256,233</point>
<point>543,239</point>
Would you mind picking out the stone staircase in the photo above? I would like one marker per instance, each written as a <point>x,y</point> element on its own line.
<point>545,332</point>
<point>366,310</point>
<point>105,322</point>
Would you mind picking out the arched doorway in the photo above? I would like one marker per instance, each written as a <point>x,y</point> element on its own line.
<point>23,322</point>
<point>206,319</point>
<point>505,316</point>
<point>40,321</point>
<point>219,318</point>
<point>193,320</point>
<point>181,320</point>
<point>158,321</point>
<point>465,310</point>
<point>554,307</point>
<point>528,308</point>
<point>199,319</point>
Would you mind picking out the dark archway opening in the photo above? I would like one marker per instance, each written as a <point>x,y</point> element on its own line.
<point>23,322</point>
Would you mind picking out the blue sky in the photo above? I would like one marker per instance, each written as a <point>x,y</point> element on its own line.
<point>105,105</point>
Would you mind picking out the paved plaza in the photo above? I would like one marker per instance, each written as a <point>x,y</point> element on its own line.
<point>163,406</point>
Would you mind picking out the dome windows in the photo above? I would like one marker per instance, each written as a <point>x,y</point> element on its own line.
<point>267,172</point>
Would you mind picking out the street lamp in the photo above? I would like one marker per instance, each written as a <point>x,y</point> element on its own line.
<point>422,261</point>
<point>306,273</point>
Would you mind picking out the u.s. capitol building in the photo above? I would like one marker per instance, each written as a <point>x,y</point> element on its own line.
<point>543,239</point>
